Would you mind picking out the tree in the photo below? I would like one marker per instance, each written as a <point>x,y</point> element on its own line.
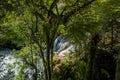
<point>41,21</point>
<point>47,18</point>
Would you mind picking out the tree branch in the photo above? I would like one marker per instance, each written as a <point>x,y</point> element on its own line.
<point>75,10</point>
<point>50,12</point>
<point>53,4</point>
<point>65,8</point>
<point>40,15</point>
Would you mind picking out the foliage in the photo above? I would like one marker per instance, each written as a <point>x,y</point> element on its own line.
<point>33,25</point>
<point>30,66</point>
<point>69,68</point>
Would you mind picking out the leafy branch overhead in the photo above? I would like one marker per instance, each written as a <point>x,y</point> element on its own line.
<point>47,9</point>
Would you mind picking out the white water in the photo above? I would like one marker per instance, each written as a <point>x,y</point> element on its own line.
<point>8,63</point>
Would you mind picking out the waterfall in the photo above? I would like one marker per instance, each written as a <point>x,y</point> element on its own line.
<point>6,63</point>
<point>9,68</point>
<point>63,46</point>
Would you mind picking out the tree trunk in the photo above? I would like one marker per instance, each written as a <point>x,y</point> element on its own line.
<point>93,48</point>
<point>112,37</point>
<point>48,64</point>
<point>48,41</point>
<point>44,62</point>
<point>117,76</point>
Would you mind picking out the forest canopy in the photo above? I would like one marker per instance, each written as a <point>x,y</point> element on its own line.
<point>61,39</point>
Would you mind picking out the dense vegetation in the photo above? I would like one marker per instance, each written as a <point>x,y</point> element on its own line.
<point>30,27</point>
